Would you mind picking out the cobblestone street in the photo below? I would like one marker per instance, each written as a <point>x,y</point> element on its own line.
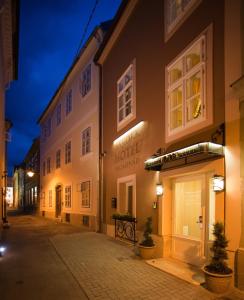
<point>48,260</point>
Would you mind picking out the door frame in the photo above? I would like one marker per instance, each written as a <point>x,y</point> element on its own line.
<point>129,180</point>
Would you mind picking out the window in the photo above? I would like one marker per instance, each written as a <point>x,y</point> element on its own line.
<point>69,102</point>
<point>50,198</point>
<point>186,81</point>
<point>126,97</point>
<point>176,11</point>
<point>58,112</point>
<point>58,159</point>
<point>35,194</point>
<point>48,165</point>
<point>44,168</point>
<point>43,199</point>
<point>85,84</point>
<point>86,141</point>
<point>67,197</point>
<point>68,152</point>
<point>85,194</point>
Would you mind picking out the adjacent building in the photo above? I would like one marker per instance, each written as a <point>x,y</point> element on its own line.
<point>69,144</point>
<point>8,71</point>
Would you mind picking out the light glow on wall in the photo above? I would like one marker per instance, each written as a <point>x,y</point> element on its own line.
<point>127,133</point>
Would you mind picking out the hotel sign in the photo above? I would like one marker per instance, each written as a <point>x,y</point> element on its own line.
<point>188,155</point>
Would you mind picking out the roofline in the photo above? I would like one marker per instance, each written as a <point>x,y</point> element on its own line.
<point>68,73</point>
<point>130,4</point>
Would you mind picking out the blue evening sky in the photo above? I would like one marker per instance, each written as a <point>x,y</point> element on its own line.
<point>50,33</point>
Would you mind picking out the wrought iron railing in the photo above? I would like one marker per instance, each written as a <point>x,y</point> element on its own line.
<point>125,227</point>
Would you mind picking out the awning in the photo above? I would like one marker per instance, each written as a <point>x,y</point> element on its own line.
<point>189,155</point>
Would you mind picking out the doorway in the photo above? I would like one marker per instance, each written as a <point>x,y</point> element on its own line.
<point>58,200</point>
<point>126,188</point>
<point>189,219</point>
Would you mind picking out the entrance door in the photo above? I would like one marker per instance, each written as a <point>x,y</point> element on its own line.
<point>58,201</point>
<point>188,219</point>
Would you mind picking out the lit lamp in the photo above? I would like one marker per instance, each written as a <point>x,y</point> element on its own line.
<point>159,189</point>
<point>2,250</point>
<point>218,183</point>
<point>30,173</point>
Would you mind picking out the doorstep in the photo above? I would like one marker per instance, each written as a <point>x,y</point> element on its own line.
<point>179,269</point>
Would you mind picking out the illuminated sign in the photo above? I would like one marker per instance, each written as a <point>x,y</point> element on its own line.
<point>127,133</point>
<point>191,154</point>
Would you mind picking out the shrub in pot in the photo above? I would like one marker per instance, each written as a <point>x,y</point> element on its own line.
<point>217,273</point>
<point>147,246</point>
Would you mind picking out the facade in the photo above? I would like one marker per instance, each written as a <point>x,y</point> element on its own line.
<point>18,187</point>
<point>32,177</point>
<point>166,118</point>
<point>234,99</point>
<point>8,72</point>
<point>69,143</point>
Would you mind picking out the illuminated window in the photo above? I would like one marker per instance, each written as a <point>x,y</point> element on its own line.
<point>176,10</point>
<point>68,152</point>
<point>85,194</point>
<point>69,102</point>
<point>50,201</point>
<point>58,159</point>
<point>58,112</point>
<point>186,80</point>
<point>48,165</point>
<point>86,141</point>
<point>126,97</point>
<point>67,202</point>
<point>85,83</point>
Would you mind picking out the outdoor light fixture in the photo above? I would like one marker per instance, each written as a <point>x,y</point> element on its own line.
<point>218,183</point>
<point>2,250</point>
<point>127,133</point>
<point>159,189</point>
<point>30,173</point>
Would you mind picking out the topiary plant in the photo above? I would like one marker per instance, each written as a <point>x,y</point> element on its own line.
<point>218,262</point>
<point>148,241</point>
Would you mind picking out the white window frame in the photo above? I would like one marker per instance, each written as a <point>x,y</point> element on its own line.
<point>69,102</point>
<point>206,118</point>
<point>68,150</point>
<point>86,206</point>
<point>86,141</point>
<point>68,196</point>
<point>83,81</point>
<point>186,11</point>
<point>127,119</point>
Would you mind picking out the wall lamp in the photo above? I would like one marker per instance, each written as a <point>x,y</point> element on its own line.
<point>30,173</point>
<point>218,182</point>
<point>159,189</point>
<point>2,250</point>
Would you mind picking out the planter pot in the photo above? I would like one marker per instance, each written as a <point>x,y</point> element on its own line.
<point>146,252</point>
<point>217,283</point>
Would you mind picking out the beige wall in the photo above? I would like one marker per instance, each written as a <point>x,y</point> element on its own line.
<point>82,168</point>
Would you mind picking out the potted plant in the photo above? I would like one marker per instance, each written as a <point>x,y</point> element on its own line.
<point>217,273</point>
<point>147,246</point>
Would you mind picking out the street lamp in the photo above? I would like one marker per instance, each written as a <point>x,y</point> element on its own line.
<point>30,173</point>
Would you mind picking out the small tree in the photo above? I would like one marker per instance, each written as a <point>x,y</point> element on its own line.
<point>148,241</point>
<point>218,262</point>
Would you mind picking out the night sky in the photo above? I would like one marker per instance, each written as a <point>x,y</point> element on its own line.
<point>50,32</point>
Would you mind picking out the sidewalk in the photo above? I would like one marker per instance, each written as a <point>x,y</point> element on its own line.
<point>108,269</point>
